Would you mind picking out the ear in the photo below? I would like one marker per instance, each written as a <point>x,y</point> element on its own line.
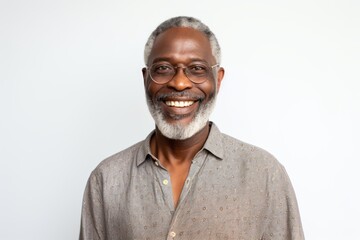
<point>144,73</point>
<point>220,76</point>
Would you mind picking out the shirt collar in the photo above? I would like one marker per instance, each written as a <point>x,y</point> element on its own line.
<point>213,144</point>
<point>144,151</point>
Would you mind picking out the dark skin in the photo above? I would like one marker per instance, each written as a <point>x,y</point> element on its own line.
<point>180,47</point>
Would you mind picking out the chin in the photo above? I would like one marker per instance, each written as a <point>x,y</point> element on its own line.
<point>181,131</point>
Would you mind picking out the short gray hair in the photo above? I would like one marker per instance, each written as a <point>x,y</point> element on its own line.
<point>188,22</point>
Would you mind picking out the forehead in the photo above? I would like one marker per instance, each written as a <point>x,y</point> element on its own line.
<point>181,45</point>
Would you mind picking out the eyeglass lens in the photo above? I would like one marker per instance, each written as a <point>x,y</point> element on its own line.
<point>164,72</point>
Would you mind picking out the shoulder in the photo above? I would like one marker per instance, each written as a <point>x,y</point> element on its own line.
<point>238,153</point>
<point>235,148</point>
<point>256,165</point>
<point>120,161</point>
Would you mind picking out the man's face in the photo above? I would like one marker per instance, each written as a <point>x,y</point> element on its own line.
<point>180,106</point>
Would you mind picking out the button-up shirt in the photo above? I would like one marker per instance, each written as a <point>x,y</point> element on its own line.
<point>233,191</point>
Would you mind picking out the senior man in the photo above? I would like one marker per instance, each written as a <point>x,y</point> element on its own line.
<point>187,180</point>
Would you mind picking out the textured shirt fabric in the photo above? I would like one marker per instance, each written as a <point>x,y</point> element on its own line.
<point>233,191</point>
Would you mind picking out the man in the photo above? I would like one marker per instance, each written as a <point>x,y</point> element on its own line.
<point>187,180</point>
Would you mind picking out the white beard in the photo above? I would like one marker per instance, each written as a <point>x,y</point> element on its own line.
<point>180,131</point>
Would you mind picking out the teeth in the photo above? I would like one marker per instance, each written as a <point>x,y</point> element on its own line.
<point>179,103</point>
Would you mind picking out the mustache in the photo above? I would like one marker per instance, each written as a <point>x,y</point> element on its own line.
<point>183,94</point>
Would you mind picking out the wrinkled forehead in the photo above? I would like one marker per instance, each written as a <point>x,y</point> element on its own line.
<point>181,45</point>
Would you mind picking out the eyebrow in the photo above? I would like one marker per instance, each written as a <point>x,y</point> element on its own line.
<point>166,59</point>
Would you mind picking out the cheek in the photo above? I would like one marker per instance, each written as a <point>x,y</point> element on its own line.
<point>208,88</point>
<point>151,88</point>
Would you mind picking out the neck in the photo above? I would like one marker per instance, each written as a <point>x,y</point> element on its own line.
<point>174,152</point>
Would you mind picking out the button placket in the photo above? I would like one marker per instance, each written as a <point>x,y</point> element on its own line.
<point>187,182</point>
<point>165,182</point>
<point>172,234</point>
<point>198,161</point>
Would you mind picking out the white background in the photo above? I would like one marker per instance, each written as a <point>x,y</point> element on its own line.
<point>71,94</point>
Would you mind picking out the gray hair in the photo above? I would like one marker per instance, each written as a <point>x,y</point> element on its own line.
<point>188,22</point>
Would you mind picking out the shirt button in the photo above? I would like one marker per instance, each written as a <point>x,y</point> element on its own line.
<point>172,234</point>
<point>165,182</point>
<point>156,163</point>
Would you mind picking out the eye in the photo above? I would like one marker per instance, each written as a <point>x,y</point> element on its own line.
<point>162,69</point>
<point>197,69</point>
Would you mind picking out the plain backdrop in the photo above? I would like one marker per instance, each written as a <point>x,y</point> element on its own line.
<point>71,94</point>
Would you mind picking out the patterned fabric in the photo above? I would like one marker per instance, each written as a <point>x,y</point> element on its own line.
<point>233,191</point>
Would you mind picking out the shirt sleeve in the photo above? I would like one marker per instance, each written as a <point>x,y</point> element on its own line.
<point>284,218</point>
<point>92,215</point>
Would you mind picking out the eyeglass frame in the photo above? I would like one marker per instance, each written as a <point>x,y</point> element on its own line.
<point>184,71</point>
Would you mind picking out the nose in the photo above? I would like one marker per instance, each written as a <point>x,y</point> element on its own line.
<point>180,81</point>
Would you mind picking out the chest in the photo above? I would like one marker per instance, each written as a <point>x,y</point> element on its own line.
<point>216,202</point>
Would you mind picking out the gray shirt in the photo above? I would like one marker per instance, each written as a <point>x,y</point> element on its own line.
<point>233,191</point>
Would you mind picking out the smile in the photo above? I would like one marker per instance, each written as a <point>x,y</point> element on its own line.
<point>179,103</point>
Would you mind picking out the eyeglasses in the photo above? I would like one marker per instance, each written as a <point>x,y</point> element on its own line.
<point>163,72</point>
